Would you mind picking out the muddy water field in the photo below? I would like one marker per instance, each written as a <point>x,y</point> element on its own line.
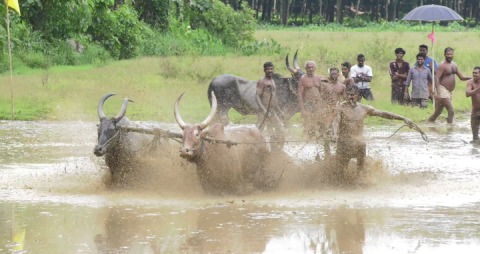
<point>413,197</point>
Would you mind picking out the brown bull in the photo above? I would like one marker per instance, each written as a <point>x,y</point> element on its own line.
<point>222,169</point>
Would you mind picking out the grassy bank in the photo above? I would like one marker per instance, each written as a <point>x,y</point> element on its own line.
<point>154,83</point>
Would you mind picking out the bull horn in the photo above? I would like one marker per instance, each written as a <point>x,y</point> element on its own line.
<point>178,118</point>
<point>101,113</point>
<point>292,70</point>
<point>295,64</point>
<point>211,116</point>
<point>122,110</point>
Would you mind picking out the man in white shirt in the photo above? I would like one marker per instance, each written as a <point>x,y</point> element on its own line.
<point>362,75</point>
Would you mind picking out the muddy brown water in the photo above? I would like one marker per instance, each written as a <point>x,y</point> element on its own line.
<point>414,197</point>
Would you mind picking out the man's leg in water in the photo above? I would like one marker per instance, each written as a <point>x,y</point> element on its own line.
<point>475,123</point>
<point>438,109</point>
<point>449,105</point>
<point>361,154</point>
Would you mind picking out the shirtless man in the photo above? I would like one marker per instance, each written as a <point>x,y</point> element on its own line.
<point>348,81</point>
<point>444,85</point>
<point>310,100</point>
<point>333,92</point>
<point>350,143</point>
<point>265,95</point>
<point>473,90</point>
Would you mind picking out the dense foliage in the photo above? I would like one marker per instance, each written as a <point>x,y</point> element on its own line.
<point>73,32</point>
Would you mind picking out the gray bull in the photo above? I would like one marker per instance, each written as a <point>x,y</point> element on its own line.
<point>120,148</point>
<point>222,169</point>
<point>239,93</point>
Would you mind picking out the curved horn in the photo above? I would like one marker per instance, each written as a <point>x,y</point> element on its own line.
<point>101,113</point>
<point>213,111</point>
<point>292,70</point>
<point>178,118</point>
<point>122,110</point>
<point>295,64</point>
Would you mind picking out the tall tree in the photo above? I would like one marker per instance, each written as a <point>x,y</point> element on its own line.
<point>310,11</point>
<point>320,11</point>
<point>340,11</point>
<point>284,11</point>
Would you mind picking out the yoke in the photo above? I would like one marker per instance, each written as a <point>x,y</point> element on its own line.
<point>157,132</point>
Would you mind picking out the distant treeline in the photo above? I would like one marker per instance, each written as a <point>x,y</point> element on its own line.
<point>349,12</point>
<point>75,32</point>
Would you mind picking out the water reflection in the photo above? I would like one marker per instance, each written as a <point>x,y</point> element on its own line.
<point>420,198</point>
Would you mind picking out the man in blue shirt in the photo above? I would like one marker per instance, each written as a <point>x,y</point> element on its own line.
<point>429,62</point>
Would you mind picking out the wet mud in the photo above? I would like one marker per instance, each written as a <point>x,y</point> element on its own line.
<point>412,196</point>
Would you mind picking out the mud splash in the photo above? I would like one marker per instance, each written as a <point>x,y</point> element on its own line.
<point>412,197</point>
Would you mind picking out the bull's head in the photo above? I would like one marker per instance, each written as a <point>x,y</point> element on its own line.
<point>107,129</point>
<point>295,71</point>
<point>192,134</point>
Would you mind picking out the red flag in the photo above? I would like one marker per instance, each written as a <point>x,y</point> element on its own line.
<point>431,36</point>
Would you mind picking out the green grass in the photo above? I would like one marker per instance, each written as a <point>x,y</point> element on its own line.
<point>154,83</point>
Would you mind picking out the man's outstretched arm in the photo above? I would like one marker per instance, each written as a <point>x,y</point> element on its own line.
<point>384,114</point>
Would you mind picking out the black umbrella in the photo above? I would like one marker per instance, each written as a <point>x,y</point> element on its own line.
<point>432,13</point>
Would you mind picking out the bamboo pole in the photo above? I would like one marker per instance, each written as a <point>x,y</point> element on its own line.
<point>10,62</point>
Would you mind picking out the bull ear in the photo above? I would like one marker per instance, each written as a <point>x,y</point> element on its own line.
<point>101,113</point>
<point>123,110</point>
<point>210,116</point>
<point>178,118</point>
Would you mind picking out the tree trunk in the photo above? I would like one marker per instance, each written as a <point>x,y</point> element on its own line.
<point>340,11</point>
<point>357,8</point>
<point>284,8</point>
<point>303,10</point>
<point>330,15</point>
<point>310,11</point>
<point>386,9</point>
<point>320,5</point>
<point>395,10</point>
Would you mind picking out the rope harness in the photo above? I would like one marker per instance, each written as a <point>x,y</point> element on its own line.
<point>176,136</point>
<point>110,139</point>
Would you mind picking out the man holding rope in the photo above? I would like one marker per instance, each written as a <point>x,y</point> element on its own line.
<point>270,113</point>
<point>350,143</point>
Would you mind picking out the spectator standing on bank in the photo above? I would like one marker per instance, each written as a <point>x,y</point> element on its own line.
<point>398,73</point>
<point>362,74</point>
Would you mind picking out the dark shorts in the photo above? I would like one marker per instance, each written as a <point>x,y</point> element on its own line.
<point>365,93</point>
<point>422,103</point>
<point>398,95</point>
